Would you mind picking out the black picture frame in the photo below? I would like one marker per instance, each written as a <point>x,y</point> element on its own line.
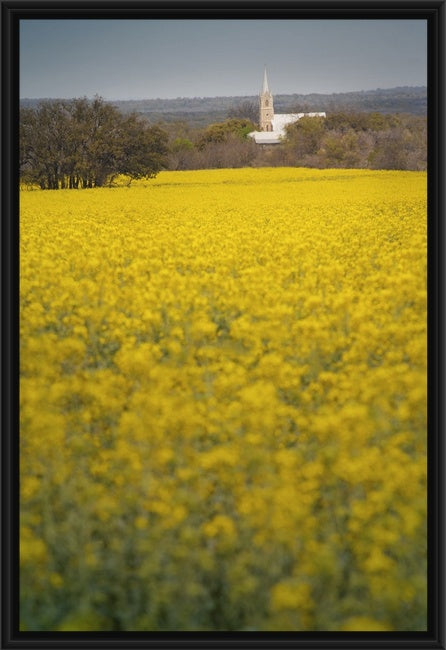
<point>434,12</point>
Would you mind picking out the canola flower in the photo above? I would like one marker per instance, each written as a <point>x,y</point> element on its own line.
<point>223,403</point>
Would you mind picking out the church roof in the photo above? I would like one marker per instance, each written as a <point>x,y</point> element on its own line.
<point>279,122</point>
<point>265,137</point>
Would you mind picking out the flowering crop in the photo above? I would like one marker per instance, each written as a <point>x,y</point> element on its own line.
<point>223,403</point>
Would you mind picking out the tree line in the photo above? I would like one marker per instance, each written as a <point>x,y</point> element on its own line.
<point>83,143</point>
<point>342,139</point>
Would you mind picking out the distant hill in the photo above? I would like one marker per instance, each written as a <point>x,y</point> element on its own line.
<point>200,111</point>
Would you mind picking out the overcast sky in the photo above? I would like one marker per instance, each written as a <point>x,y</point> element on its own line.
<point>144,59</point>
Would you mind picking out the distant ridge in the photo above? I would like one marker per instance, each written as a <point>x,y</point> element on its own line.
<point>203,110</point>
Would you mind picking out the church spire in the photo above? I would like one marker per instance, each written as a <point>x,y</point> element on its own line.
<point>265,88</point>
<point>266,112</point>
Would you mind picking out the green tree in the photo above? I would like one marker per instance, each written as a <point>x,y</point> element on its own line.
<point>181,153</point>
<point>305,136</point>
<point>83,143</point>
<point>220,131</point>
<point>44,143</point>
<point>140,149</point>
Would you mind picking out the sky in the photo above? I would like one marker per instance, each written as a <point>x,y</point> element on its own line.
<point>149,59</point>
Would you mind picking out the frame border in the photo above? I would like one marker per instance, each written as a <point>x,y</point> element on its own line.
<point>431,10</point>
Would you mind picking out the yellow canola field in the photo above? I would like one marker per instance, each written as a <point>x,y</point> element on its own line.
<point>223,403</point>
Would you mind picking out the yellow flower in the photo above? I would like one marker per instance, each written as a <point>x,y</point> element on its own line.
<point>223,385</point>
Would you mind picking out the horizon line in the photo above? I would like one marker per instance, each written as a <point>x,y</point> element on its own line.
<point>135,99</point>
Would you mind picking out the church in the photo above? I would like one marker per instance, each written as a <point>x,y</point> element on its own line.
<point>272,125</point>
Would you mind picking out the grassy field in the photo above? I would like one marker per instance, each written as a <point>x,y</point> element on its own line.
<point>223,403</point>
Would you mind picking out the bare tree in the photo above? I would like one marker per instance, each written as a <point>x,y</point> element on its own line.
<point>247,110</point>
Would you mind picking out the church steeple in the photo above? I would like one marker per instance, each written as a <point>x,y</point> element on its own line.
<point>265,88</point>
<point>266,108</point>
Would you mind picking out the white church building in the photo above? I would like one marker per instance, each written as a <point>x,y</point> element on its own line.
<point>272,125</point>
